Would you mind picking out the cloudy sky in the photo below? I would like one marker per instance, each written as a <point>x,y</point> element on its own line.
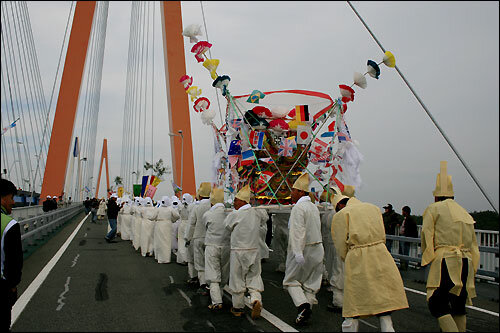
<point>448,51</point>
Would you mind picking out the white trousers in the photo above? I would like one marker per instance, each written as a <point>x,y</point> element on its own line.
<point>147,234</point>
<point>244,274</point>
<point>217,270</point>
<point>136,242</point>
<point>162,241</point>
<point>199,258</point>
<point>304,281</point>
<point>181,243</point>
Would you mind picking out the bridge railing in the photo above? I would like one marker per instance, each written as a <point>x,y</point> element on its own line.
<point>37,227</point>
<point>26,212</point>
<point>487,241</point>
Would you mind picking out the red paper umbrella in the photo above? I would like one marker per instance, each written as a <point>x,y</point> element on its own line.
<point>186,81</point>
<point>199,50</point>
<point>201,104</point>
<point>347,93</point>
<point>279,125</point>
<point>262,112</point>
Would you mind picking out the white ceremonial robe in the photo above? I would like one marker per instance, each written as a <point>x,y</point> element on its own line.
<point>126,217</point>
<point>149,215</point>
<point>101,211</point>
<point>217,251</point>
<point>119,221</point>
<point>263,249</point>
<point>196,229</point>
<point>182,254</point>
<point>245,266</point>
<point>304,281</point>
<point>279,242</point>
<point>163,233</point>
<point>136,241</point>
<point>188,235</point>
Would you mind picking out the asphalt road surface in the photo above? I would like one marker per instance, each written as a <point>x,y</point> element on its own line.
<point>98,286</point>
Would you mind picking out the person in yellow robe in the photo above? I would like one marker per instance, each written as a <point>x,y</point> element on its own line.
<point>372,283</point>
<point>449,245</point>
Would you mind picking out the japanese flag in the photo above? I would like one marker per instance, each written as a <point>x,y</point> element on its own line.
<point>304,135</point>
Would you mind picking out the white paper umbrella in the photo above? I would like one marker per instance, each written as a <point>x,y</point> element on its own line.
<point>360,80</point>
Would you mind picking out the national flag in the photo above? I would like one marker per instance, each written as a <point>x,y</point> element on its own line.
<point>247,157</point>
<point>76,148</point>
<point>331,127</point>
<point>257,139</point>
<point>144,183</point>
<point>318,147</point>
<point>264,177</point>
<point>233,159</point>
<point>234,148</point>
<point>328,135</point>
<point>320,158</point>
<point>302,113</point>
<point>338,183</point>
<point>151,191</point>
<point>235,123</point>
<point>5,129</point>
<point>293,141</point>
<point>267,160</point>
<point>151,179</point>
<point>156,182</point>
<point>304,135</point>
<point>343,137</point>
<point>223,129</point>
<point>285,148</point>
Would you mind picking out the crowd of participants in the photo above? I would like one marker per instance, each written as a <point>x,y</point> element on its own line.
<point>53,202</point>
<point>339,242</point>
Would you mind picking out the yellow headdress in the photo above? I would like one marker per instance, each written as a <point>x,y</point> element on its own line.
<point>336,199</point>
<point>204,190</point>
<point>244,194</point>
<point>444,186</point>
<point>217,196</point>
<point>349,191</point>
<point>302,183</point>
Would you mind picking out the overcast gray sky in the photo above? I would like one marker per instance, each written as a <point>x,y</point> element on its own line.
<point>448,51</point>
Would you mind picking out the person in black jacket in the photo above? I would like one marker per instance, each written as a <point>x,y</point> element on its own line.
<point>408,229</point>
<point>12,255</point>
<point>47,204</point>
<point>112,212</point>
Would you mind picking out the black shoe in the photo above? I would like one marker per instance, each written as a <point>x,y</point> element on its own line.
<point>193,281</point>
<point>304,313</point>
<point>333,308</point>
<point>107,239</point>
<point>237,312</point>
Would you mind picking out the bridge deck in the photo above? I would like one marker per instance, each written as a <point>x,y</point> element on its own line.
<point>96,286</point>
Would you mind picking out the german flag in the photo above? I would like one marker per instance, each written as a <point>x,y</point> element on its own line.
<point>302,113</point>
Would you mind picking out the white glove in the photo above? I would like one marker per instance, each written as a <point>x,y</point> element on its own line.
<point>299,258</point>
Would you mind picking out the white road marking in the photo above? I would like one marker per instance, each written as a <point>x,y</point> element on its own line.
<point>278,323</point>
<point>75,260</point>
<point>468,306</point>
<point>171,279</point>
<point>24,299</point>
<point>185,296</point>
<point>85,235</point>
<point>61,297</point>
<point>209,323</point>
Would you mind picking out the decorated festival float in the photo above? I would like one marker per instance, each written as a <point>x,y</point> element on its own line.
<point>270,138</point>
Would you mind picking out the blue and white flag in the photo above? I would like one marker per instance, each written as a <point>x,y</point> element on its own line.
<point>5,129</point>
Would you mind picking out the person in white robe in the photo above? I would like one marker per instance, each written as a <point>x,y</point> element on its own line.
<point>149,215</point>
<point>136,241</point>
<point>119,202</point>
<point>184,210</point>
<point>193,274</point>
<point>264,217</point>
<point>245,266</point>
<point>217,248</point>
<point>126,217</point>
<point>196,234</point>
<point>304,262</point>
<point>101,211</point>
<point>163,231</point>
<point>175,227</point>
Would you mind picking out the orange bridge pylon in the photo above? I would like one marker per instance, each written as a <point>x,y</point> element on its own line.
<point>104,155</point>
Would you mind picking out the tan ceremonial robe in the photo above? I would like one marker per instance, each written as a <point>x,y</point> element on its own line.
<point>372,283</point>
<point>448,234</point>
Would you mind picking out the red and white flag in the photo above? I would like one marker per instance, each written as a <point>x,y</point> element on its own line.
<point>304,134</point>
<point>318,147</point>
<point>264,177</point>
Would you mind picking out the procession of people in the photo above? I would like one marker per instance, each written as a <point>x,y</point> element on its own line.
<point>339,242</point>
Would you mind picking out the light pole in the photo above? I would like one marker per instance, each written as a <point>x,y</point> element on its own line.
<point>182,153</point>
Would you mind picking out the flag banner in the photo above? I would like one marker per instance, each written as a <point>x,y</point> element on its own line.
<point>151,191</point>
<point>120,191</point>
<point>331,127</point>
<point>247,157</point>
<point>267,160</point>
<point>293,141</point>
<point>234,148</point>
<point>304,135</point>
<point>175,187</point>
<point>338,183</point>
<point>151,179</point>
<point>5,129</point>
<point>328,135</point>
<point>76,148</point>
<point>318,147</point>
<point>264,177</point>
<point>343,137</point>
<point>302,113</point>
<point>257,139</point>
<point>144,183</point>
<point>156,182</point>
<point>285,148</point>
<point>233,159</point>
<point>235,123</point>
<point>137,190</point>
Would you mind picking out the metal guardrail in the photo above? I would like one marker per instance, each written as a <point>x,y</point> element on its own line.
<point>416,254</point>
<point>35,228</point>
